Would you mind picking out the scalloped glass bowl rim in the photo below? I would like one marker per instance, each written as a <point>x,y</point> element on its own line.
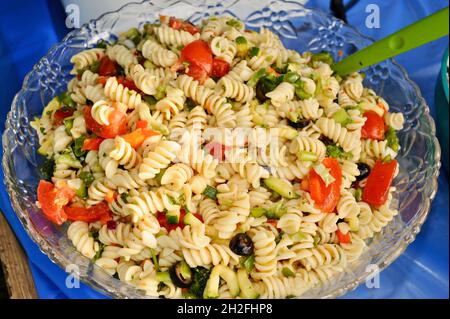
<point>106,288</point>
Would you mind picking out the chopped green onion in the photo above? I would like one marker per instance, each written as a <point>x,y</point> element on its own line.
<point>358,194</point>
<point>324,174</point>
<point>387,159</point>
<point>87,178</point>
<point>190,104</point>
<point>322,57</point>
<point>342,117</point>
<point>306,156</point>
<point>210,192</point>
<point>235,24</point>
<point>160,92</point>
<point>68,123</point>
<point>148,64</point>
<point>154,259</point>
<point>254,52</point>
<point>95,66</point>
<point>258,212</point>
<point>287,272</point>
<point>77,145</point>
<point>66,100</point>
<point>241,40</point>
<point>124,197</point>
<point>102,44</point>
<point>133,34</point>
<point>163,276</point>
<point>248,263</point>
<point>150,99</point>
<point>392,139</point>
<point>300,90</point>
<point>291,77</point>
<point>82,191</point>
<point>256,76</point>
<point>241,46</point>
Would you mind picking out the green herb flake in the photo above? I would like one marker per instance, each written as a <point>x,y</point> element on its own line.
<point>248,263</point>
<point>254,52</point>
<point>392,139</point>
<point>358,194</point>
<point>77,147</point>
<point>87,178</point>
<point>210,192</point>
<point>234,23</point>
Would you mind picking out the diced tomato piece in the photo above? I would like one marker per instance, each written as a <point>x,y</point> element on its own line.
<point>273,222</point>
<point>199,54</point>
<point>161,217</point>
<point>326,197</point>
<point>92,144</point>
<point>162,18</point>
<point>107,67</point>
<point>220,68</point>
<point>304,185</point>
<point>128,83</point>
<point>110,196</point>
<point>374,127</point>
<point>198,216</point>
<point>379,182</point>
<point>117,126</point>
<point>272,71</point>
<point>52,200</point>
<point>99,212</point>
<point>60,115</point>
<point>343,239</point>
<point>138,136</point>
<point>102,79</point>
<point>179,24</point>
<point>175,23</point>
<point>141,124</point>
<point>198,73</point>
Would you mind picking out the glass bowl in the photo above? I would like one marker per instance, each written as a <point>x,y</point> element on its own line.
<point>299,28</point>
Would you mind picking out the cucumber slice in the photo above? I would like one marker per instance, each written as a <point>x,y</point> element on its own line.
<point>246,286</point>
<point>46,147</point>
<point>306,156</point>
<point>173,217</point>
<point>257,212</point>
<point>163,276</point>
<point>324,173</point>
<point>68,159</point>
<point>82,191</point>
<point>341,116</point>
<point>190,219</point>
<point>287,272</point>
<point>288,133</point>
<point>281,187</point>
<point>212,286</point>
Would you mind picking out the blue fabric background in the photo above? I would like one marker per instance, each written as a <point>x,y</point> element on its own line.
<point>30,27</point>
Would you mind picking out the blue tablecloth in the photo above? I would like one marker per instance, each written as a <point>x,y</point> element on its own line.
<point>420,272</point>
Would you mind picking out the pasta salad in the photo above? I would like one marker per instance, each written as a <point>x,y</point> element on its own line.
<point>212,162</point>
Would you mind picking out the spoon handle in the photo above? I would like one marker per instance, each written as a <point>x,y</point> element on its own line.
<point>421,32</point>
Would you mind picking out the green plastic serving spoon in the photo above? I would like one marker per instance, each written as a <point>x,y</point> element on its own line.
<point>421,32</point>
